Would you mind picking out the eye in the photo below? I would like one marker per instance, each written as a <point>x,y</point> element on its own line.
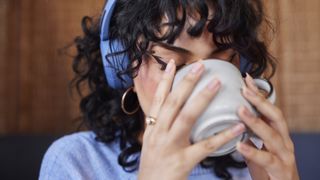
<point>164,64</point>
<point>161,62</point>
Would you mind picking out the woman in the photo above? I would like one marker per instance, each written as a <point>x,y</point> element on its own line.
<point>140,128</point>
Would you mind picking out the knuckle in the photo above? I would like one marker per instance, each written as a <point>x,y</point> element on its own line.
<point>274,137</point>
<point>158,100</point>
<point>210,145</point>
<point>187,118</point>
<point>290,160</point>
<point>165,78</point>
<point>263,101</point>
<point>226,135</point>
<point>189,79</point>
<point>205,94</point>
<point>271,161</point>
<point>173,101</point>
<point>183,116</point>
<point>215,142</point>
<point>254,121</point>
<point>278,113</point>
<point>260,100</point>
<point>290,146</point>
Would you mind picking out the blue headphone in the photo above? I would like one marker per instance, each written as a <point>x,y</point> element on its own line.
<point>118,63</point>
<point>113,63</point>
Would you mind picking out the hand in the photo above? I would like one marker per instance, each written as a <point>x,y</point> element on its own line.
<point>276,160</point>
<point>166,150</point>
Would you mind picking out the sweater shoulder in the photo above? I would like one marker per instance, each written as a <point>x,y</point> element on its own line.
<point>80,156</point>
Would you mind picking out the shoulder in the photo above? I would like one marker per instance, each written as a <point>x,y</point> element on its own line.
<point>70,142</point>
<point>77,156</point>
<point>74,146</point>
<point>81,142</point>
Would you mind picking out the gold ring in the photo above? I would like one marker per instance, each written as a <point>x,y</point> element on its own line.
<point>150,120</point>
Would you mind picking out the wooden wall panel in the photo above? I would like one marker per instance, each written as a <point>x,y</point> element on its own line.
<point>39,95</point>
<point>299,41</point>
<point>9,84</point>
<point>52,25</point>
<point>3,33</point>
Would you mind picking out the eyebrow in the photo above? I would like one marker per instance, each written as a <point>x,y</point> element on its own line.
<point>173,48</point>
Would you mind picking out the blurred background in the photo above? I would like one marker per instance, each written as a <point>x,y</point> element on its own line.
<point>36,106</point>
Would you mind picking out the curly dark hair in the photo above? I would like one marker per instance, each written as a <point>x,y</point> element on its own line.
<point>236,24</point>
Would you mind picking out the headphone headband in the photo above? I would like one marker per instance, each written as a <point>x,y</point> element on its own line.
<point>106,18</point>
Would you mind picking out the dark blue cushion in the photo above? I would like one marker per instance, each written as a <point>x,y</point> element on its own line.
<point>21,155</point>
<point>307,150</point>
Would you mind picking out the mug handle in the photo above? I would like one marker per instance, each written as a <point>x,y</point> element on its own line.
<point>267,86</point>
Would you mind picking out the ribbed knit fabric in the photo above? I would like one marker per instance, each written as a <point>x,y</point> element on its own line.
<point>79,156</point>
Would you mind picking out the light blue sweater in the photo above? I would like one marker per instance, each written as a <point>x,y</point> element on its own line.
<point>79,156</point>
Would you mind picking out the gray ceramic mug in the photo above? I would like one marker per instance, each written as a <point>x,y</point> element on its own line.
<point>222,111</point>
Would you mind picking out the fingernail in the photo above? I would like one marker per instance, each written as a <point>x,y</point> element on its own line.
<point>196,68</point>
<point>248,92</point>
<point>246,112</point>
<point>213,85</point>
<point>249,77</point>
<point>243,147</point>
<point>238,129</point>
<point>169,66</point>
<point>251,81</point>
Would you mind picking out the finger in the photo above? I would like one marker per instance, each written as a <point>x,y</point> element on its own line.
<point>193,109</point>
<point>202,149</point>
<point>162,91</point>
<point>262,158</point>
<point>256,172</point>
<point>250,83</point>
<point>278,122</point>
<point>271,139</point>
<point>268,110</point>
<point>178,97</point>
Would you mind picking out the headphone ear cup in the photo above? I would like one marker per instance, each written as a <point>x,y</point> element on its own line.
<point>115,60</point>
<point>115,63</point>
<point>245,65</point>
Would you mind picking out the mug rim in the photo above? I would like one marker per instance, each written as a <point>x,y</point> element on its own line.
<point>210,60</point>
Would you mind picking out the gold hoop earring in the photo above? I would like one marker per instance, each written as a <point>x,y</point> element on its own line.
<point>123,99</point>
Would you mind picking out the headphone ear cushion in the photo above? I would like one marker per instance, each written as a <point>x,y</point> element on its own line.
<point>115,60</point>
<point>115,63</point>
<point>245,65</point>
